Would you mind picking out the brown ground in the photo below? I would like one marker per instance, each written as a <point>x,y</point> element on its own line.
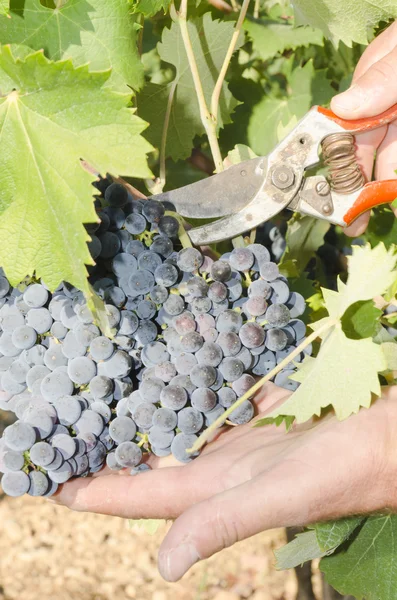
<point>50,553</point>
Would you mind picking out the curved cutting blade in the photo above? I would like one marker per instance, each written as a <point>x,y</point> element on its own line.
<point>219,195</point>
<point>262,208</point>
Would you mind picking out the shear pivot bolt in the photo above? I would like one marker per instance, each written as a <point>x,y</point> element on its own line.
<point>283,177</point>
<point>323,188</point>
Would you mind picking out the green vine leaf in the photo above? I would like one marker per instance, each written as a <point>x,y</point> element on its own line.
<point>304,236</point>
<point>102,33</point>
<point>332,534</point>
<point>4,7</point>
<point>345,20</point>
<point>360,320</point>
<point>270,37</point>
<point>371,272</point>
<point>305,88</point>
<point>150,7</point>
<point>301,549</point>
<point>51,116</point>
<point>150,526</point>
<point>210,40</point>
<point>366,565</point>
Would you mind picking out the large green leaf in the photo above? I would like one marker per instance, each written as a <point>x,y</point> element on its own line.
<point>210,40</point>
<point>371,272</point>
<point>51,116</point>
<point>366,565</point>
<point>102,33</point>
<point>305,89</point>
<point>270,37</point>
<point>346,20</point>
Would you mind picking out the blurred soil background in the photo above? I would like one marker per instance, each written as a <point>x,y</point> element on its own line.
<point>50,553</point>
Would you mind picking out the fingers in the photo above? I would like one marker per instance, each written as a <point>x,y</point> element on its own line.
<point>371,93</point>
<point>386,161</point>
<point>378,49</point>
<point>162,493</point>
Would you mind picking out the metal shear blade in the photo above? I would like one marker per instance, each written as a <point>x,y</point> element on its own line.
<point>219,195</point>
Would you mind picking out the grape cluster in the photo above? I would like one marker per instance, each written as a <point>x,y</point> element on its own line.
<point>190,335</point>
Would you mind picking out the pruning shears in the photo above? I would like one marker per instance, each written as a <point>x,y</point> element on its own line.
<point>252,192</point>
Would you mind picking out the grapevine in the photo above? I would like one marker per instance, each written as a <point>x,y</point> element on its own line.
<point>119,339</point>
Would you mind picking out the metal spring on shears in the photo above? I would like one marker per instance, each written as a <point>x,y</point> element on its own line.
<point>339,154</point>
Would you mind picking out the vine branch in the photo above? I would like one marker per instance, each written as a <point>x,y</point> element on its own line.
<point>222,73</point>
<point>165,133</point>
<point>205,436</point>
<point>206,118</point>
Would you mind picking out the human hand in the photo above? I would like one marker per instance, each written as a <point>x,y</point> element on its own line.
<point>252,479</point>
<point>373,90</point>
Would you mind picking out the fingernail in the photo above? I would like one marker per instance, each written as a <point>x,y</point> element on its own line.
<point>175,562</point>
<point>351,100</point>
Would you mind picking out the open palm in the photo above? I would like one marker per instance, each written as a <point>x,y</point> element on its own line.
<point>251,479</point>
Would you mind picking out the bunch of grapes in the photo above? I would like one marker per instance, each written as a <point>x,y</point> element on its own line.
<point>190,334</point>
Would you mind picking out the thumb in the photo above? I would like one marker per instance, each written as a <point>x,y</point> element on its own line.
<point>231,516</point>
<point>372,93</point>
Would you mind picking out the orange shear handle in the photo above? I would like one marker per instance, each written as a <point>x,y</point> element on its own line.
<point>373,194</point>
<point>361,125</point>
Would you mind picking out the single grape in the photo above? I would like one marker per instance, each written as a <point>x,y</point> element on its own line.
<point>100,386</point>
<point>190,420</point>
<point>13,461</point>
<point>203,399</point>
<point>173,397</point>
<point>81,370</point>
<point>269,271</point>
<point>116,195</point>
<point>143,414</point>
<point>242,414</point>
<point>19,436</point>
<point>128,454</point>
<point>229,343</point>
<point>277,315</point>
<point>101,348</point>
<point>227,396</point>
<point>203,375</point>
<point>165,371</point>
<point>159,438</point>
<point>260,288</point>
<point>229,320</point>
<point>122,429</point>
<point>39,484</point>
<point>174,305</point>
<point>231,368</point>
<point>168,226</point>
<point>189,260</point>
<point>164,419</point>
<point>191,342</point>
<point>89,422</point>
<point>221,271</point>
<point>150,389</point>
<point>24,337</point>
<point>241,259</point>
<point>159,294</point>
<point>276,339</point>
<point>110,244</point>
<point>42,454</point>
<point>15,483</point>
<point>252,335</point>
<point>68,409</point>
<point>162,245</point>
<point>180,444</point>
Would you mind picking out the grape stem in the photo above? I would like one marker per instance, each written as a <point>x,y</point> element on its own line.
<point>206,435</point>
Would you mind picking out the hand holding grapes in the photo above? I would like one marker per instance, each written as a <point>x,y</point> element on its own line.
<point>252,479</point>
<point>373,90</point>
